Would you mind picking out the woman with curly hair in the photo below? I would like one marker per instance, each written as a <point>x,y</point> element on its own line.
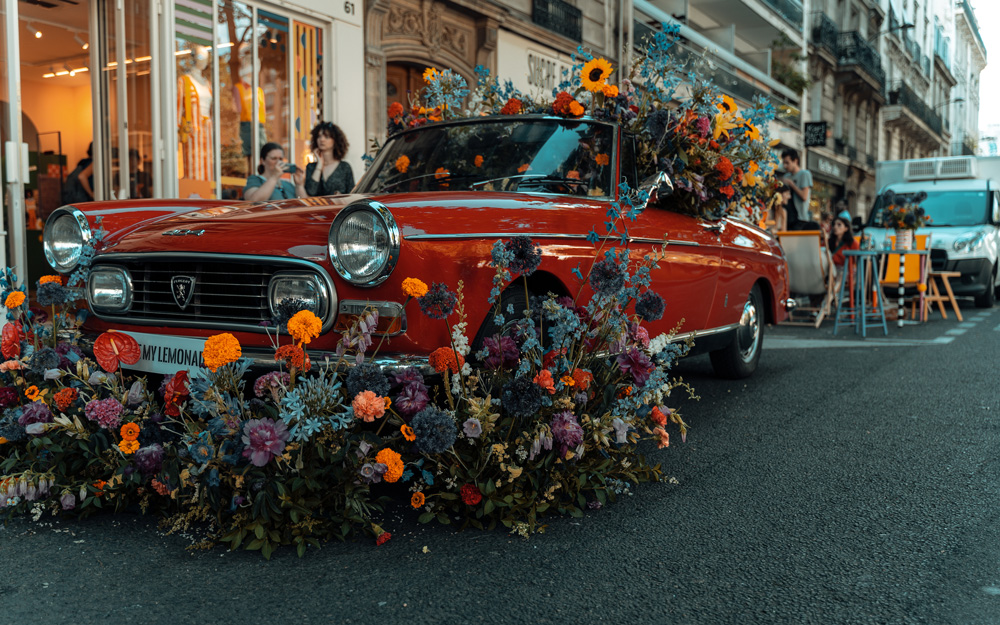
<point>329,174</point>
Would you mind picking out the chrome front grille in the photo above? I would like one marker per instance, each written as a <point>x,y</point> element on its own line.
<point>230,291</point>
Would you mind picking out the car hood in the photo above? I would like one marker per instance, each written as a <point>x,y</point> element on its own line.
<point>259,227</point>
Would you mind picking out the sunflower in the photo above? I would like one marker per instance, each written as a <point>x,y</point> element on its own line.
<point>594,73</point>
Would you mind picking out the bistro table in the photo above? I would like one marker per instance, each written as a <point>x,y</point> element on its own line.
<point>851,302</point>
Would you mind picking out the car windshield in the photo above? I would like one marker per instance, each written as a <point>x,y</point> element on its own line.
<point>945,208</point>
<point>531,155</point>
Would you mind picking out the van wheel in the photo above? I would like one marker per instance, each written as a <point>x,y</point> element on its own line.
<point>989,298</point>
<point>739,359</point>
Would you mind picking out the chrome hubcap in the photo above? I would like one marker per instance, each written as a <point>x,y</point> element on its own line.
<point>748,334</point>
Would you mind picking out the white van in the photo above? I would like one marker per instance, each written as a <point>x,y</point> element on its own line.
<point>963,202</point>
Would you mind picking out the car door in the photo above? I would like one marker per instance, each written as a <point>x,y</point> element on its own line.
<point>688,272</point>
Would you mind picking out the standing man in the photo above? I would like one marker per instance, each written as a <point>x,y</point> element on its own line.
<point>800,182</point>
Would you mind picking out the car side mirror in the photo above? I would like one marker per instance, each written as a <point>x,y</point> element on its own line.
<point>659,186</point>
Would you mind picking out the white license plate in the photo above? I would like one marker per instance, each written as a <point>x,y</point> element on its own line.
<point>168,354</point>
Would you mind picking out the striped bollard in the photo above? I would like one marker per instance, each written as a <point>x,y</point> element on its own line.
<point>902,269</point>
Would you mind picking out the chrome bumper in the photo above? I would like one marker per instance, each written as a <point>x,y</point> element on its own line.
<point>790,305</point>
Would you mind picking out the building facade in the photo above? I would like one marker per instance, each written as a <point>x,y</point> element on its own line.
<point>969,62</point>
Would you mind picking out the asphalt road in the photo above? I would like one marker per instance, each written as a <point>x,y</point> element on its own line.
<point>849,481</point>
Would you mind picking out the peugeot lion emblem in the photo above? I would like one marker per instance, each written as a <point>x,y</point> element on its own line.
<point>183,290</point>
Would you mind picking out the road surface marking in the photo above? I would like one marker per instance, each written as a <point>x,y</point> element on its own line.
<point>968,324</point>
<point>955,331</point>
<point>778,342</point>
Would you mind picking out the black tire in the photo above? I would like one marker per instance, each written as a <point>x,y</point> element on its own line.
<point>989,298</point>
<point>739,359</point>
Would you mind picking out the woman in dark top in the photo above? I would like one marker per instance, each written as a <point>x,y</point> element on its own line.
<point>841,239</point>
<point>329,175</point>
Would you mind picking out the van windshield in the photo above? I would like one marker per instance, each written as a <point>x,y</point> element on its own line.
<point>945,208</point>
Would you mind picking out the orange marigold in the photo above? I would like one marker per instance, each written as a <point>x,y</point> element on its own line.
<point>567,380</point>
<point>128,447</point>
<point>418,499</point>
<point>724,168</point>
<point>395,110</point>
<point>576,109</point>
<point>602,159</point>
<point>441,173</point>
<point>294,356</point>
<point>402,164</point>
<point>657,416</point>
<point>412,287</point>
<point>15,299</point>
<point>393,463</point>
<point>445,358</point>
<point>408,433</point>
<point>478,161</point>
<point>65,398</point>
<point>544,379</point>
<point>304,326</point>
<point>727,191</point>
<point>368,406</point>
<point>513,107</point>
<point>47,279</point>
<point>583,378</point>
<point>610,91</point>
<point>99,485</point>
<point>32,393</point>
<point>129,431</point>
<point>221,349</point>
<point>523,168</point>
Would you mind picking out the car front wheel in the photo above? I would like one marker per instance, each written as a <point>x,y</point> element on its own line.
<point>739,359</point>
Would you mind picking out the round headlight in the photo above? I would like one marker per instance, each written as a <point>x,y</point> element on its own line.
<point>66,234</point>
<point>364,243</point>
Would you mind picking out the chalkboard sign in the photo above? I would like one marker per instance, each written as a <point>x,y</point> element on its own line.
<point>815,134</point>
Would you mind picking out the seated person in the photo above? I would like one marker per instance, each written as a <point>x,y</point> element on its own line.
<point>268,184</point>
<point>841,239</point>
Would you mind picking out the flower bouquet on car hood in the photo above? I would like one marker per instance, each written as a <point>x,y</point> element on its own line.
<point>718,156</point>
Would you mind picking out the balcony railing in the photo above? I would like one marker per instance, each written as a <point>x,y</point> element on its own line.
<point>559,17</point>
<point>852,49</point>
<point>968,149</point>
<point>870,161</point>
<point>852,152</point>
<point>824,33</point>
<point>900,94</point>
<point>791,10</point>
<point>839,144</point>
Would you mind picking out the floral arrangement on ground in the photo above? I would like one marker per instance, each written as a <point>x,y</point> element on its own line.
<point>718,157</point>
<point>545,417</point>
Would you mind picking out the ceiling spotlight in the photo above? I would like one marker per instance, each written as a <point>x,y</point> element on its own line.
<point>34,31</point>
<point>72,72</point>
<point>83,44</point>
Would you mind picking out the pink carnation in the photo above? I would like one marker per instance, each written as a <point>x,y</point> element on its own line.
<point>368,406</point>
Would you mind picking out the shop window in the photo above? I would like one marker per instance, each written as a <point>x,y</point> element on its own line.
<point>308,64</point>
<point>238,144</point>
<point>272,51</point>
<point>195,140</point>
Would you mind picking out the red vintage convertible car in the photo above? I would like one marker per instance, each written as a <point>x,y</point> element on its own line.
<point>436,198</point>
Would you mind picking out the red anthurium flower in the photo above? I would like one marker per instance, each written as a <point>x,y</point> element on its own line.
<point>175,393</point>
<point>11,343</point>
<point>114,348</point>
